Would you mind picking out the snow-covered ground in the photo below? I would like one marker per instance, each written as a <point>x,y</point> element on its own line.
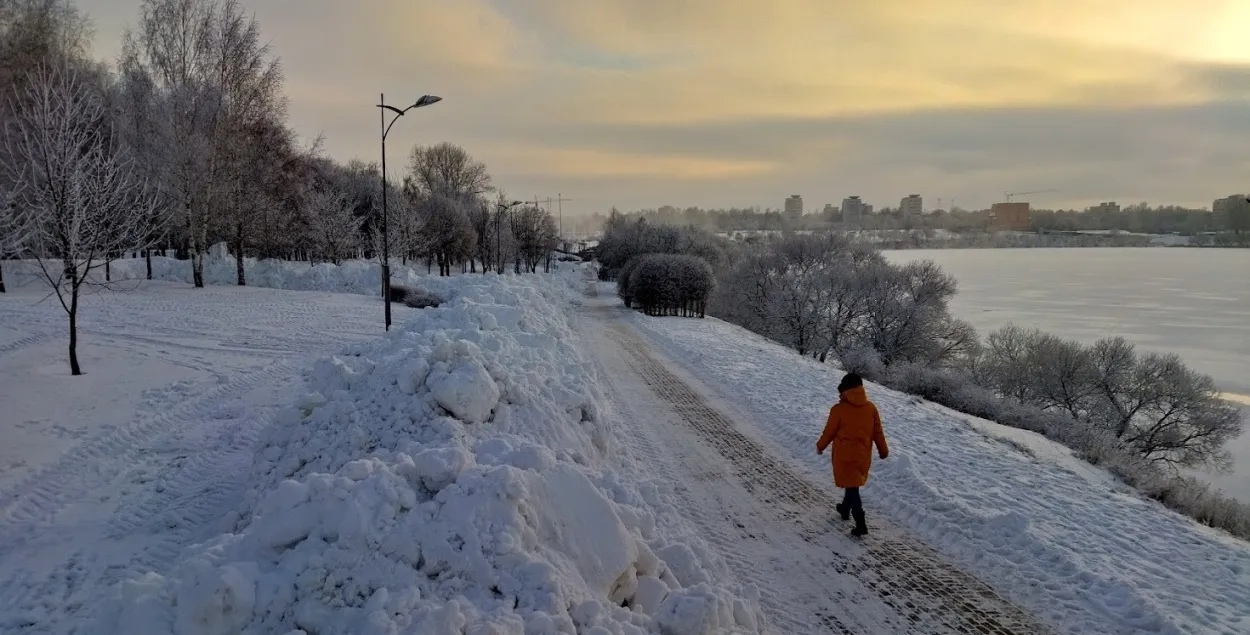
<point>110,473</point>
<point>525,459</point>
<point>1053,534</point>
<point>248,473</point>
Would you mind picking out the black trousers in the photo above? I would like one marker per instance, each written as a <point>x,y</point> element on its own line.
<point>851,501</point>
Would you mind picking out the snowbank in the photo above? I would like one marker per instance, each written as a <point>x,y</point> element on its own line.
<point>354,276</point>
<point>449,478</point>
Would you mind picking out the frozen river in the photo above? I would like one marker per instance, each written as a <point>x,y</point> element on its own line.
<point>1193,302</point>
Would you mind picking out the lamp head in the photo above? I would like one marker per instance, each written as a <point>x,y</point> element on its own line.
<point>427,100</point>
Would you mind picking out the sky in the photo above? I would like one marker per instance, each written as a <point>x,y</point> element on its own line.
<point>718,103</point>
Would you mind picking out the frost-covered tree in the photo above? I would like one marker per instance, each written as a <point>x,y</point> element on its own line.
<point>84,196</point>
<point>904,306</point>
<point>1159,406</point>
<point>216,77</point>
<point>334,228</point>
<point>1152,403</point>
<point>15,228</point>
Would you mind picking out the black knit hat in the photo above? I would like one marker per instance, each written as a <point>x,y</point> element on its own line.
<point>849,381</point>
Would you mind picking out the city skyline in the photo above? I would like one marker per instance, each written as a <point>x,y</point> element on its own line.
<point>642,103</point>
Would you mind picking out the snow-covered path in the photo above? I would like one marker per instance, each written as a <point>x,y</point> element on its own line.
<point>107,482</point>
<point>1055,535</point>
<point>769,522</point>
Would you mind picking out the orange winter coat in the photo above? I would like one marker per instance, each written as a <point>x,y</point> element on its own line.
<point>854,425</point>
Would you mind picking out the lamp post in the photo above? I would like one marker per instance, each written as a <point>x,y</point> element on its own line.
<point>425,100</point>
<point>502,208</point>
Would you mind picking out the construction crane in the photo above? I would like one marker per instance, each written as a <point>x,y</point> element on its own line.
<point>1009,195</point>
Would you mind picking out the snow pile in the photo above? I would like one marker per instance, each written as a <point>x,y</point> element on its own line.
<point>449,478</point>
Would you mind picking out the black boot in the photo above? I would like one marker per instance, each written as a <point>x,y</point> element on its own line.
<point>843,511</point>
<point>861,527</point>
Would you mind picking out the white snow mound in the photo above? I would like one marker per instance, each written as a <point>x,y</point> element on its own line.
<point>451,478</point>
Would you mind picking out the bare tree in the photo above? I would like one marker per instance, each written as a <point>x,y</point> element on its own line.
<point>482,221</point>
<point>174,48</point>
<point>1159,406</point>
<point>445,233</point>
<point>334,227</point>
<point>536,235</point>
<point>85,197</point>
<point>447,169</point>
<point>138,110</point>
<point>1063,376</point>
<point>15,228</point>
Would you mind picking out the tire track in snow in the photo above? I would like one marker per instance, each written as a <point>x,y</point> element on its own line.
<point>75,476</point>
<point>191,491</point>
<point>907,576</point>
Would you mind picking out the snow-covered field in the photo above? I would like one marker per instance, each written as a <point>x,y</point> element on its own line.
<point>230,467</point>
<point>1052,533</point>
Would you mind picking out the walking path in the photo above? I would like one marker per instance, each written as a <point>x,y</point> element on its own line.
<point>772,525</point>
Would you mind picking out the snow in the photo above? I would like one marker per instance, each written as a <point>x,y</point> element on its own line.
<point>110,474</point>
<point>248,460</point>
<point>354,276</point>
<point>452,476</point>
<point>1055,535</point>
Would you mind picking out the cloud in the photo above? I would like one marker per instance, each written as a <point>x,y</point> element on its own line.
<point>591,163</point>
<point>721,102</point>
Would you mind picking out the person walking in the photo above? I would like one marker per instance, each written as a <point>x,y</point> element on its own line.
<point>854,425</point>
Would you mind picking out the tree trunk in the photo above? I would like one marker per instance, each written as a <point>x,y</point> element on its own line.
<point>2,277</point>
<point>148,257</point>
<point>74,369</point>
<point>240,277</point>
<point>108,267</point>
<point>197,270</point>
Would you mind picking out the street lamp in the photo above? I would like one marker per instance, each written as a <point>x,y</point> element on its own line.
<point>425,100</point>
<point>503,207</point>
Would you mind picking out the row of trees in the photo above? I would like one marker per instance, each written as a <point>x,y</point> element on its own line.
<point>667,284</point>
<point>1140,218</point>
<point>185,144</point>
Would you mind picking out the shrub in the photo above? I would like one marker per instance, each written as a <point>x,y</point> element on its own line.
<point>667,284</point>
<point>421,299</point>
<point>624,288</point>
<point>399,292</point>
